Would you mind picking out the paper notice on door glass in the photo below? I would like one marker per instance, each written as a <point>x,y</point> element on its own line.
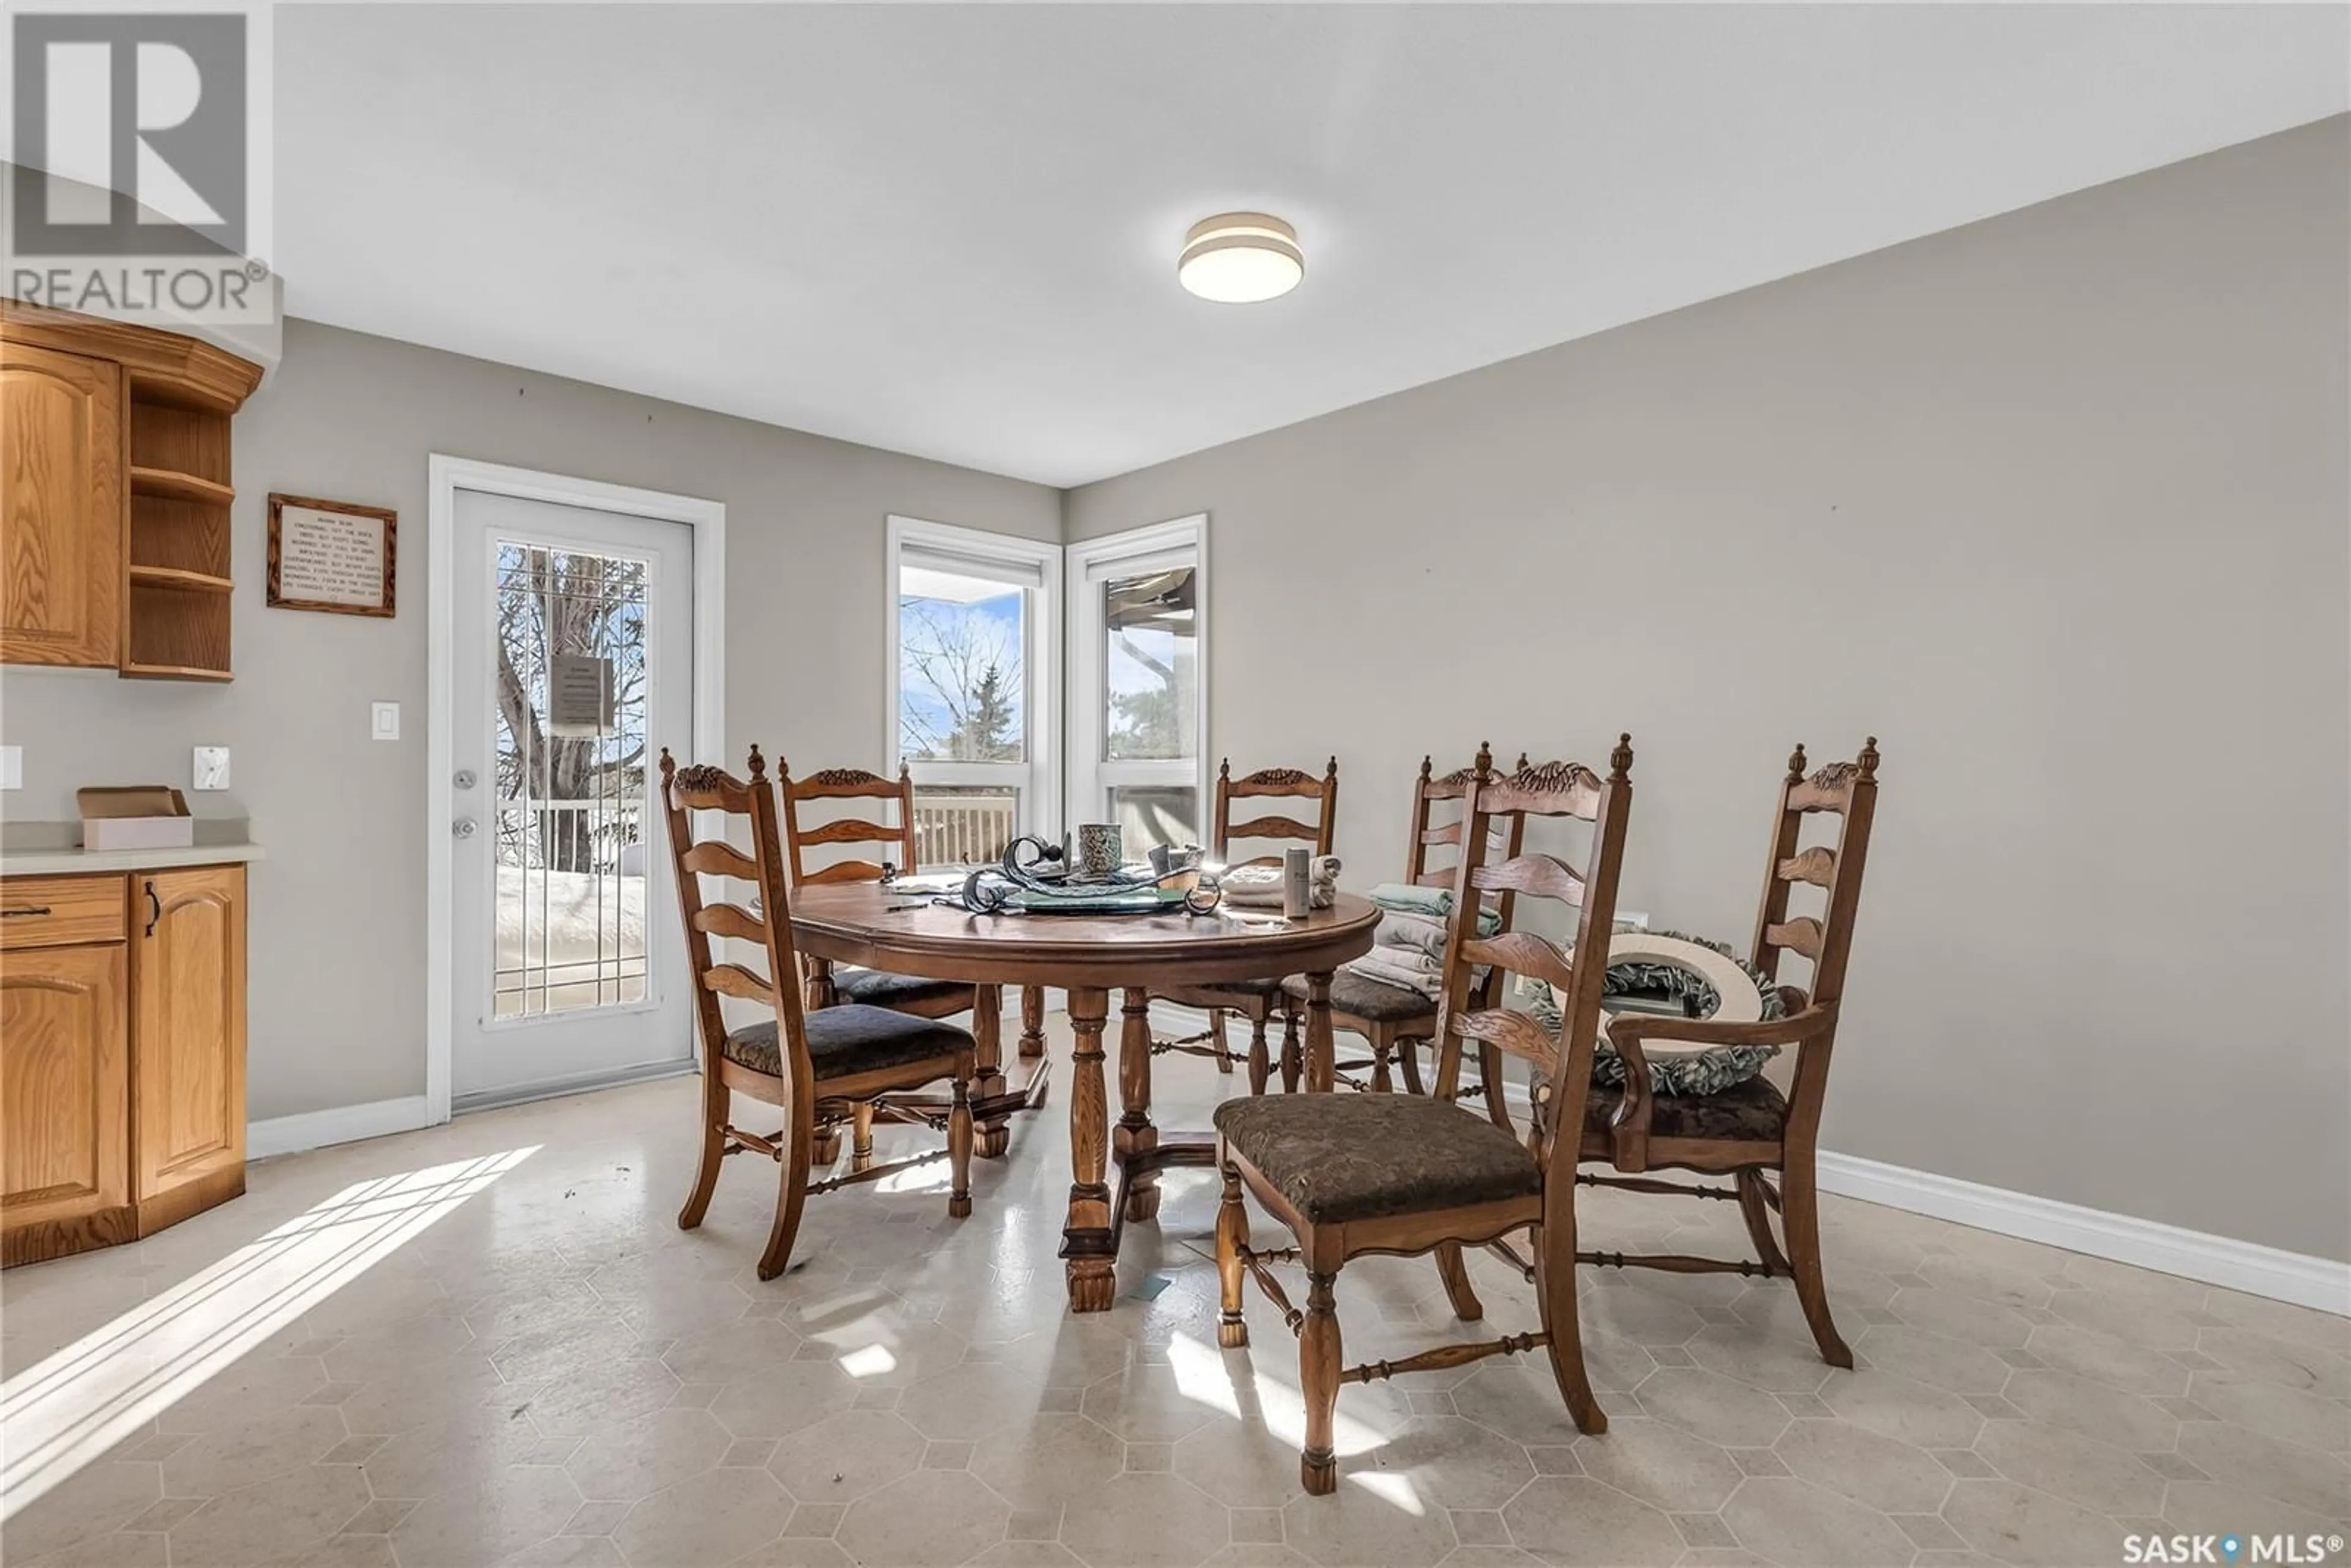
<point>578,695</point>
<point>329,557</point>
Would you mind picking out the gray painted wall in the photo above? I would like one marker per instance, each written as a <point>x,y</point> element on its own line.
<point>337,936</point>
<point>2055,505</point>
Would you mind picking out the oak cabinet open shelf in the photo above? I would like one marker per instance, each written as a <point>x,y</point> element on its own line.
<point>115,531</point>
<point>121,1055</point>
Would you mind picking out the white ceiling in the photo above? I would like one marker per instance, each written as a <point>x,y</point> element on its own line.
<point>953,231</point>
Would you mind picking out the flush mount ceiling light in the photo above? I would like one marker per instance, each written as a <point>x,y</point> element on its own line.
<point>1240,258</point>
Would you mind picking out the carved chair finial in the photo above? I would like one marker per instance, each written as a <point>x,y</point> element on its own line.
<point>1620,761</point>
<point>1796,763</point>
<point>758,765</point>
<point>1224,768</point>
<point>1330,769</point>
<point>669,765</point>
<point>1485,760</point>
<point>1869,758</point>
<point>1426,762</point>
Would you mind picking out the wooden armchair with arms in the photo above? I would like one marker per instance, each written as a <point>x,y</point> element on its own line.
<point>818,1067</point>
<point>1408,1174</point>
<point>1390,1019</point>
<point>826,984</point>
<point>1256,1000</point>
<point>1751,1130</point>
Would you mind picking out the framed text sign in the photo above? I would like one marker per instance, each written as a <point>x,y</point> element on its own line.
<point>330,555</point>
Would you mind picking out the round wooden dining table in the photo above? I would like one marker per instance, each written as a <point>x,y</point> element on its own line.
<point>1088,956</point>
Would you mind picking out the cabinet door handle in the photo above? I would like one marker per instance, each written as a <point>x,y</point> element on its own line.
<point>154,907</point>
<point>22,910</point>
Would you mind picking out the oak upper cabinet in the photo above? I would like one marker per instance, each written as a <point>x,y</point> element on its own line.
<point>187,1017</point>
<point>115,495</point>
<point>63,518</point>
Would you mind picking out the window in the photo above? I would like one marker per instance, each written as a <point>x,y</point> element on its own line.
<point>1139,697</point>
<point>975,640</point>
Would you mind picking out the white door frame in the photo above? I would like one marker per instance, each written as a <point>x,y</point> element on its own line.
<point>447,476</point>
<point>1083,726</point>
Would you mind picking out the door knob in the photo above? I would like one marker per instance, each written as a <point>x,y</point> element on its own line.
<point>464,827</point>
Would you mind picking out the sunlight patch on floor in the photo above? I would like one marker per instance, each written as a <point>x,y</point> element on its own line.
<point>64,1412</point>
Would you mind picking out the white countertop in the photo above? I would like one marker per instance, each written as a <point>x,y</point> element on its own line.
<point>66,863</point>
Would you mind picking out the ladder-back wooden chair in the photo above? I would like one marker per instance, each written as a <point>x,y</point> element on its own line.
<point>819,1068</point>
<point>1751,1130</point>
<point>854,793</point>
<point>1392,1020</point>
<point>1258,1001</point>
<point>1408,1174</point>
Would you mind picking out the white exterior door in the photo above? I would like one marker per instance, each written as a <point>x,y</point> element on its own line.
<point>572,666</point>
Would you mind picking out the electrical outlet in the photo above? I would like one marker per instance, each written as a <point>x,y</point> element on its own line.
<point>11,767</point>
<point>211,767</point>
<point>383,722</point>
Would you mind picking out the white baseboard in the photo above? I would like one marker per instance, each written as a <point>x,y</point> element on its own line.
<point>379,1118</point>
<point>2258,1271</point>
<point>343,1124</point>
<point>2306,1281</point>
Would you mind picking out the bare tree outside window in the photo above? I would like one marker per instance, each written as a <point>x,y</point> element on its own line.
<point>961,679</point>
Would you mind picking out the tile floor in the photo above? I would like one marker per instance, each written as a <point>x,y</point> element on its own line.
<point>515,1357</point>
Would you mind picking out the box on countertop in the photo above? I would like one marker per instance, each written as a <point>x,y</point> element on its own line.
<point>135,816</point>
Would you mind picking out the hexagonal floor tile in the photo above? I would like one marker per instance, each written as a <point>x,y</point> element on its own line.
<point>932,1519</point>
<point>1146,1521</point>
<point>1660,1464</point>
<point>1576,1523</point>
<point>1057,1460</point>
<point>1792,1521</point>
<point>1721,1410</point>
<point>846,1455</point>
<point>2030,1527</point>
<point>715,1517</point>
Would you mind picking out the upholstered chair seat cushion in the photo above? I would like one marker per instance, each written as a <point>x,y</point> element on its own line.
<point>881,988</point>
<point>1368,999</point>
<point>850,1039</point>
<point>1341,1158</point>
<point>1752,1112</point>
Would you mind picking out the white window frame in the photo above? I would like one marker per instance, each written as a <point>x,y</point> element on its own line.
<point>1089,563</point>
<point>1038,780</point>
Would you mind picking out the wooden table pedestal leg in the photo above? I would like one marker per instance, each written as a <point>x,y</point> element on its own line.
<point>1321,1047</point>
<point>1032,1022</point>
<point>988,1067</point>
<point>1089,1245</point>
<point>1135,1140</point>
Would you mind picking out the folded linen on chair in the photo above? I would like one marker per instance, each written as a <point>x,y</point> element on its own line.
<point>1259,887</point>
<point>1418,933</point>
<point>1406,898</point>
<point>1396,966</point>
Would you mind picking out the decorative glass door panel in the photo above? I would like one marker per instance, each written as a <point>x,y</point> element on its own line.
<point>572,781</point>
<point>571,668</point>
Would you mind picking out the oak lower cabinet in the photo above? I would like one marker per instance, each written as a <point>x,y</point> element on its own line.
<point>121,1055</point>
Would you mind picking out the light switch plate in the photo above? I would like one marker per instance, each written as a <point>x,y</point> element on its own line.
<point>385,721</point>
<point>211,767</point>
<point>11,767</point>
